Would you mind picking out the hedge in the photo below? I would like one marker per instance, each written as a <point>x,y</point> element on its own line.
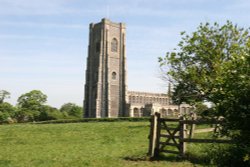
<point>130,119</point>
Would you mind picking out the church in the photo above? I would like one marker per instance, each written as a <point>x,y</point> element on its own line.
<point>106,93</point>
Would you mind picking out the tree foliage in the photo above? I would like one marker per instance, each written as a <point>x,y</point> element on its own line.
<point>213,64</point>
<point>32,100</point>
<point>50,113</point>
<point>202,109</point>
<point>7,108</point>
<point>72,109</point>
<point>30,106</point>
<point>7,112</point>
<point>3,95</point>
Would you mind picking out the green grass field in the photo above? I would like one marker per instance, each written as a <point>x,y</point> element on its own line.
<point>98,144</point>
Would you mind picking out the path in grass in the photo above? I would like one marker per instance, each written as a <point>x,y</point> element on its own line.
<point>104,144</point>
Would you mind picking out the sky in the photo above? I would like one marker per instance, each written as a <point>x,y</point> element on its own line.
<point>43,43</point>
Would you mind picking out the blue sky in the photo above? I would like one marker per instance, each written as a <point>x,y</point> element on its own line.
<point>43,43</point>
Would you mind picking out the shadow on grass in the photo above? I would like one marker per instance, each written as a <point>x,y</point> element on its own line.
<point>195,159</point>
<point>136,158</point>
<point>5,163</point>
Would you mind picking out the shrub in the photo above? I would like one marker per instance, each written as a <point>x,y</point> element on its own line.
<point>228,155</point>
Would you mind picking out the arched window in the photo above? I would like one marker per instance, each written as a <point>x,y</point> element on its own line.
<point>114,45</point>
<point>114,75</point>
<point>164,112</point>
<point>136,112</point>
<point>170,112</point>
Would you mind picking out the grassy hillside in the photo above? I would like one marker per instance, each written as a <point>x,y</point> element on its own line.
<point>98,144</point>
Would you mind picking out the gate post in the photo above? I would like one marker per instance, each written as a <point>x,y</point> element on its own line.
<point>192,129</point>
<point>152,136</point>
<point>158,133</point>
<point>182,136</point>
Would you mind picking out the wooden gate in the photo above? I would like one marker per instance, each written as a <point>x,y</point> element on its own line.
<point>166,133</point>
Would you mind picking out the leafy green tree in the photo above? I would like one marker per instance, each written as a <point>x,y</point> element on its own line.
<point>7,112</point>
<point>201,109</point>
<point>32,100</point>
<point>213,64</point>
<point>30,105</point>
<point>7,108</point>
<point>50,113</point>
<point>3,95</point>
<point>72,110</point>
<point>27,115</point>
<point>4,117</point>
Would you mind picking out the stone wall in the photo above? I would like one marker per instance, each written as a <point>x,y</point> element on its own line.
<point>135,97</point>
<point>145,104</point>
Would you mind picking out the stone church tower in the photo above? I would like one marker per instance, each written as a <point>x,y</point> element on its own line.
<point>105,88</point>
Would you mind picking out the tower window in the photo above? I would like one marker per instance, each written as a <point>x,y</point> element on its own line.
<point>114,45</point>
<point>98,47</point>
<point>114,75</point>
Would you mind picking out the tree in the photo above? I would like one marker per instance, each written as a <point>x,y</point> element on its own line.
<point>32,100</point>
<point>72,110</point>
<point>7,112</point>
<point>213,64</point>
<point>3,95</point>
<point>27,115</point>
<point>50,113</point>
<point>7,108</point>
<point>30,105</point>
<point>201,109</point>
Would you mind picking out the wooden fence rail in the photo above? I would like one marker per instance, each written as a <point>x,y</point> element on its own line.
<point>162,135</point>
